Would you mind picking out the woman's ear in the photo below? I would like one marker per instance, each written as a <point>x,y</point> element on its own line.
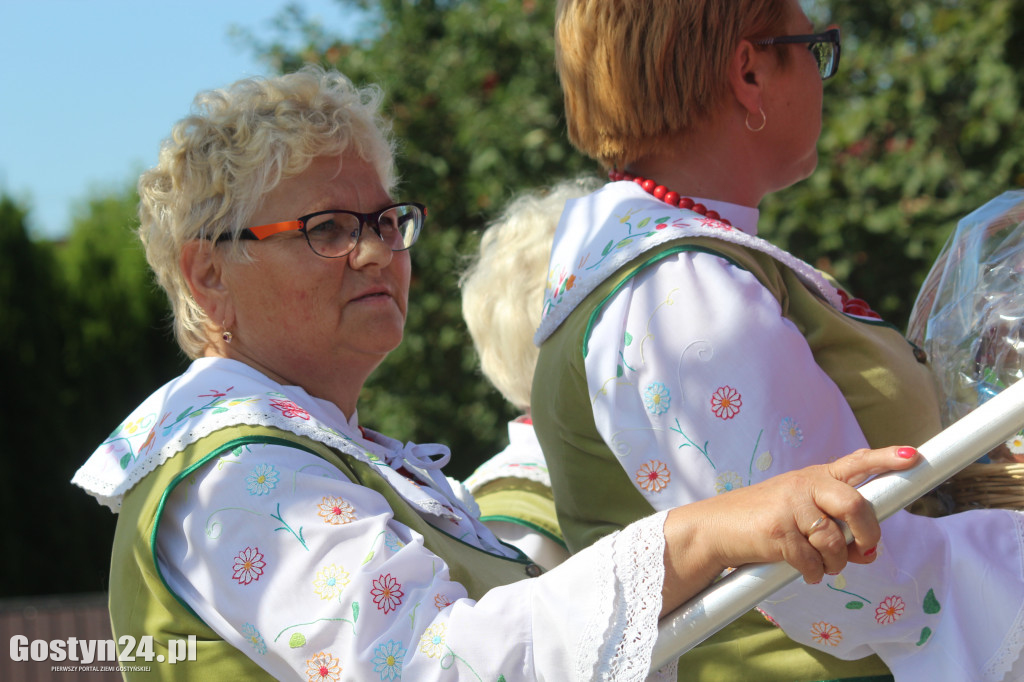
<point>747,71</point>
<point>203,269</point>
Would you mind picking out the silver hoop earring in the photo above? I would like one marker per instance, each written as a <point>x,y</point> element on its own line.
<point>764,121</point>
<point>227,336</point>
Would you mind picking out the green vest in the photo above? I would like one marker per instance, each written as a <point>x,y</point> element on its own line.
<point>141,603</point>
<point>890,392</point>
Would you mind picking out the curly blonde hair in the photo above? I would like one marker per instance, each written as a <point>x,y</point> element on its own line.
<point>238,144</point>
<point>637,73</point>
<point>503,287</point>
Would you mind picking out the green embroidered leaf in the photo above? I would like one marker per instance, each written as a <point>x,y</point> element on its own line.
<point>115,432</point>
<point>624,242</point>
<point>854,605</point>
<point>629,338</point>
<point>608,248</point>
<point>218,410</point>
<point>368,557</point>
<point>501,678</point>
<point>297,640</point>
<point>355,611</point>
<point>184,414</point>
<point>126,460</point>
<point>926,633</point>
<point>931,604</point>
<point>663,219</point>
<point>618,371</point>
<point>642,223</point>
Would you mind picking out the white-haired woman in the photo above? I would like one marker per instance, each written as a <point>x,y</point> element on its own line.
<point>258,515</point>
<point>502,296</point>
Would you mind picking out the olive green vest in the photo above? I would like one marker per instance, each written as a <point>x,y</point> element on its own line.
<point>890,392</point>
<point>142,604</point>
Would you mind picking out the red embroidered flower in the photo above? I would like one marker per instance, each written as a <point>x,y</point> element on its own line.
<point>289,409</point>
<point>248,566</point>
<point>441,601</point>
<point>387,593</point>
<point>890,610</point>
<point>726,402</point>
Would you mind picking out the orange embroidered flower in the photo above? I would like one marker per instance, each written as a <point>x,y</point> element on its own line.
<point>890,610</point>
<point>826,633</point>
<point>441,601</point>
<point>726,402</point>
<point>653,476</point>
<point>323,666</point>
<point>336,511</point>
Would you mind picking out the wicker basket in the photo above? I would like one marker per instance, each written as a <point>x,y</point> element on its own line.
<point>988,486</point>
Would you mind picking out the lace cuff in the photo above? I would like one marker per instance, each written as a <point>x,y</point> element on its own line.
<point>630,571</point>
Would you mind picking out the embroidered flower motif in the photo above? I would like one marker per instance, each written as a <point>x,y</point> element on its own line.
<point>392,542</point>
<point>323,666</point>
<point>441,601</point>
<point>387,593</point>
<point>727,481</point>
<point>250,632</point>
<point>432,641</point>
<point>289,409</point>
<point>657,398</point>
<point>248,566</point>
<point>387,660</point>
<point>653,476</point>
<point>764,461</point>
<point>726,402</point>
<point>330,581</point>
<point>1016,444</point>
<point>336,511</point>
<point>890,610</point>
<point>791,433</point>
<point>826,633</point>
<point>261,480</point>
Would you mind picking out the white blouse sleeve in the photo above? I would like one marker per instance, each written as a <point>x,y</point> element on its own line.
<point>699,385</point>
<point>309,575</point>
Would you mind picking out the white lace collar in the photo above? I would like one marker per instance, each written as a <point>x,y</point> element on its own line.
<point>603,231</point>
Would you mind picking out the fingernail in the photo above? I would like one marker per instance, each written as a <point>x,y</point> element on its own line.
<point>871,551</point>
<point>906,453</point>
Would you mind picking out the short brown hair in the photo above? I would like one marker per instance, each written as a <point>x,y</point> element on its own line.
<point>636,72</point>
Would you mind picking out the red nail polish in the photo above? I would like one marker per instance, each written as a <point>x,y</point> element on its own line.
<point>906,453</point>
<point>871,551</point>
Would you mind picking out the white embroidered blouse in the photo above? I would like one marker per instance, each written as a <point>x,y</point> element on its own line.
<point>309,575</point>
<point>689,366</point>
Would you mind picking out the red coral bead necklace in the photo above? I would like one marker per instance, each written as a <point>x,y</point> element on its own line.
<point>851,305</point>
<point>665,194</point>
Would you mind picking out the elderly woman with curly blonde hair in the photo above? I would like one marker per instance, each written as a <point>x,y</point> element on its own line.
<point>262,522</point>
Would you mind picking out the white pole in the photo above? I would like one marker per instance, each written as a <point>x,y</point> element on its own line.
<point>949,452</point>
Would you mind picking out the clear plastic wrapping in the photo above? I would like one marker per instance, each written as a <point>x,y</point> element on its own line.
<point>969,314</point>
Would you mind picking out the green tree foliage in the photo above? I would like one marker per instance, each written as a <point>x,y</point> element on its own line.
<point>921,126</point>
<point>83,338</point>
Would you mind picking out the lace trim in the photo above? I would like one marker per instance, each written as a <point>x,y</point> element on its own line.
<point>618,643</point>
<point>560,311</point>
<point>111,492</point>
<point>1010,649</point>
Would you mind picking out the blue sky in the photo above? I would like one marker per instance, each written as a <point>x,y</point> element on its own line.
<point>91,87</point>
